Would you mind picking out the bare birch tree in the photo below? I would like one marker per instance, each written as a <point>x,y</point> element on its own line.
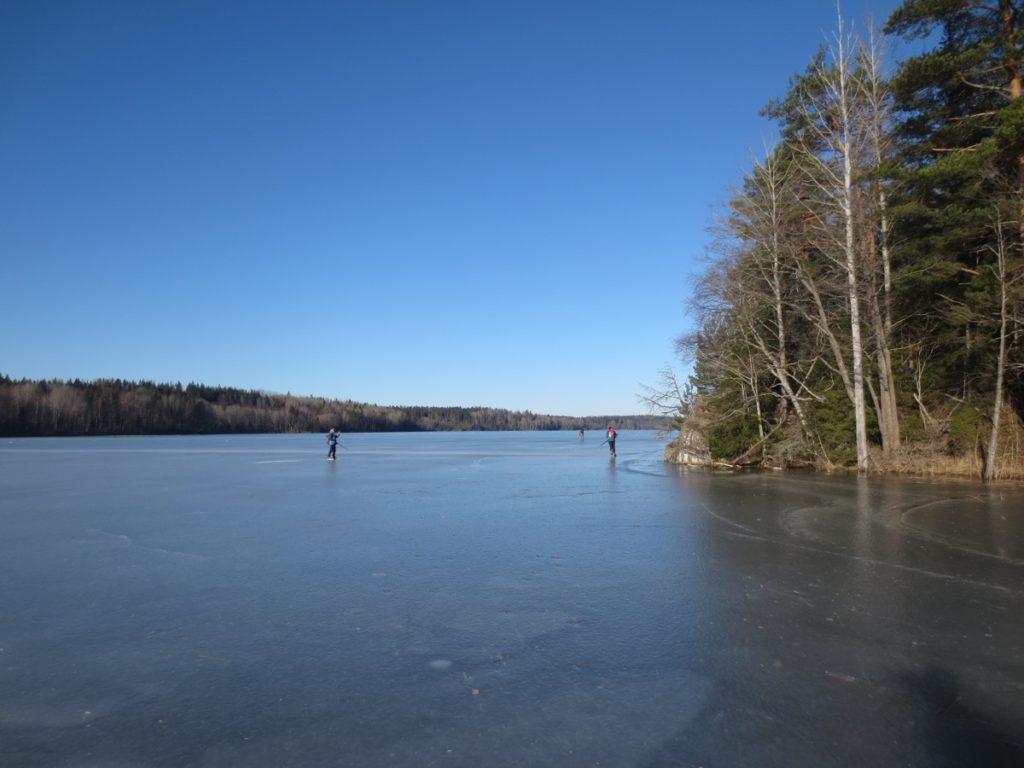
<point>760,220</point>
<point>878,113</point>
<point>1005,279</point>
<point>834,144</point>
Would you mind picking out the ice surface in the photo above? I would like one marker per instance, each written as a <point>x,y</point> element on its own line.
<point>496,599</point>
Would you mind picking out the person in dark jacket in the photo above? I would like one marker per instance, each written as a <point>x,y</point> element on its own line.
<point>332,444</point>
<point>612,434</point>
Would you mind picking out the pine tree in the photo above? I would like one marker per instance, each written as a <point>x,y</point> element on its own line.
<point>960,167</point>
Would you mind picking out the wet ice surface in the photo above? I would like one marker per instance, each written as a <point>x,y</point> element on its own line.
<point>496,600</point>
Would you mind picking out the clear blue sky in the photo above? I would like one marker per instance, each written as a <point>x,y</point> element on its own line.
<point>415,202</point>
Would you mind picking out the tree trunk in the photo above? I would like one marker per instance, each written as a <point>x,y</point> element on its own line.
<point>885,401</point>
<point>1008,16</point>
<point>881,317</point>
<point>856,345</point>
<point>847,203</point>
<point>997,405</point>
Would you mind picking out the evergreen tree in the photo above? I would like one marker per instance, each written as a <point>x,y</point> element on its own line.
<point>960,174</point>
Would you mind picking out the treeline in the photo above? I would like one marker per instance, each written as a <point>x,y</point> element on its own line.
<point>863,305</point>
<point>116,407</point>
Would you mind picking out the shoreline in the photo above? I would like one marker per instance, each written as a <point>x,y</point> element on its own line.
<point>921,464</point>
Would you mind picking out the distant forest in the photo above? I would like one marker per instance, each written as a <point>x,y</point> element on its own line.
<point>116,407</point>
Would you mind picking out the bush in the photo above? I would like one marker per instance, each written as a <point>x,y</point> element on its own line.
<point>732,438</point>
<point>835,424</point>
<point>968,429</point>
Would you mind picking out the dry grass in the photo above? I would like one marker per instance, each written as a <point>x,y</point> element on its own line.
<point>933,458</point>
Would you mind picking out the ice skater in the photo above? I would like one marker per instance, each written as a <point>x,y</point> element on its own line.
<point>612,434</point>
<point>332,445</point>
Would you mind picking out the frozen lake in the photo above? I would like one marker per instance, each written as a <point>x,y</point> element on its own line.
<point>496,599</point>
